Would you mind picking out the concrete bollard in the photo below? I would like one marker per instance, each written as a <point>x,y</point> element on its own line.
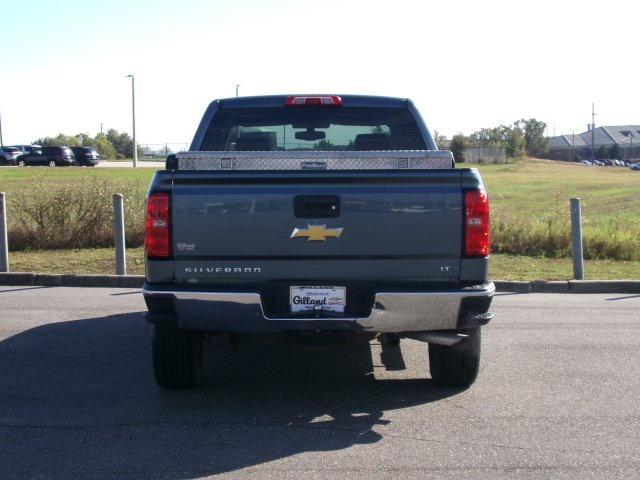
<point>118,230</point>
<point>576,239</point>
<point>4,239</point>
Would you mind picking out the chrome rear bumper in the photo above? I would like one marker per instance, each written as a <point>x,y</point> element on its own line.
<point>392,312</point>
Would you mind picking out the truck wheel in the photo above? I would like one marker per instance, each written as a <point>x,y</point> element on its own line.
<point>177,357</point>
<point>456,365</point>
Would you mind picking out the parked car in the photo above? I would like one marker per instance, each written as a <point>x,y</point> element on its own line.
<point>635,166</point>
<point>86,156</point>
<point>24,149</point>
<point>8,155</point>
<point>51,156</point>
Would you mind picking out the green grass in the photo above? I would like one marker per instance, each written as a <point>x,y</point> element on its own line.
<point>503,267</point>
<point>534,188</point>
<point>530,208</point>
<point>15,180</point>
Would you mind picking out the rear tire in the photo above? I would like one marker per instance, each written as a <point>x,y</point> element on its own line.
<point>177,357</point>
<point>456,365</point>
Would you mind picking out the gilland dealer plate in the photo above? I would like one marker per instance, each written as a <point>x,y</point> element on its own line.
<point>331,299</point>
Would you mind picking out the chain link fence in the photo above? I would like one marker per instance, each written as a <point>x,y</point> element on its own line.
<point>160,151</point>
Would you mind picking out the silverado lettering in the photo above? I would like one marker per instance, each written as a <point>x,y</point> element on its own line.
<point>222,270</point>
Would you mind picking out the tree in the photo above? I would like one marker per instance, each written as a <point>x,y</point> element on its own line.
<point>511,138</point>
<point>515,141</point>
<point>536,144</point>
<point>122,143</point>
<point>602,152</point>
<point>615,152</point>
<point>489,137</point>
<point>60,140</point>
<point>441,141</point>
<point>325,145</point>
<point>104,147</point>
<point>458,145</point>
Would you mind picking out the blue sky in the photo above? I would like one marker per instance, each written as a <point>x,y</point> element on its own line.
<point>465,64</point>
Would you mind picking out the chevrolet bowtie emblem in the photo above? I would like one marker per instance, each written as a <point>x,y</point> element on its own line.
<point>316,233</point>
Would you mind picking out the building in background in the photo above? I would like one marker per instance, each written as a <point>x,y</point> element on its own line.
<point>579,146</point>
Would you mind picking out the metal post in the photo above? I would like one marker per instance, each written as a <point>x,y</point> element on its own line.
<point>4,242</point>
<point>1,144</point>
<point>593,131</point>
<point>118,229</point>
<point>133,115</point>
<point>576,239</point>
<point>237,87</point>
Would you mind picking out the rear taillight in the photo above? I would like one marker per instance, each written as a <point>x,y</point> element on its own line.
<point>157,239</point>
<point>313,100</point>
<point>476,224</point>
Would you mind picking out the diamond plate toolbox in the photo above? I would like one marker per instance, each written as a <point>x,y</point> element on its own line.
<point>317,160</point>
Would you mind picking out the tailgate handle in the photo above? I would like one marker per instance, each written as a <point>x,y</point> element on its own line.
<point>316,206</point>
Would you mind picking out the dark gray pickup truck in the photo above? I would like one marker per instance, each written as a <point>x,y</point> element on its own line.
<point>316,214</point>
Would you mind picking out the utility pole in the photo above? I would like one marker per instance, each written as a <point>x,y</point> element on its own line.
<point>1,144</point>
<point>593,131</point>
<point>237,87</point>
<point>101,124</point>
<point>573,145</point>
<point>133,115</point>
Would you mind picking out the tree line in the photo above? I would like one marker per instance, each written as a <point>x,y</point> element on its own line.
<point>523,137</point>
<point>112,145</point>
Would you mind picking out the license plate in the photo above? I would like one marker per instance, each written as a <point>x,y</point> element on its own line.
<point>330,299</point>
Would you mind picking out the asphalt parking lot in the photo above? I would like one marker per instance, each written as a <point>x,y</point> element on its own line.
<point>558,397</point>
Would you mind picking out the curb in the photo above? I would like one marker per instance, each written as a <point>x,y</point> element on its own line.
<point>51,280</point>
<point>136,281</point>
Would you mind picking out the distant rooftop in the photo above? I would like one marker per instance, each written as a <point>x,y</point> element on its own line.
<point>605,135</point>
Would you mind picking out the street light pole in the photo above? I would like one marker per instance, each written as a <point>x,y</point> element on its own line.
<point>133,114</point>
<point>593,131</point>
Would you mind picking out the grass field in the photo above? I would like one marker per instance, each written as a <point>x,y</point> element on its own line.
<point>503,267</point>
<point>17,180</point>
<point>530,208</point>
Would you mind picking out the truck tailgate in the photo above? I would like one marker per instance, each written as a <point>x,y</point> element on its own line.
<point>317,225</point>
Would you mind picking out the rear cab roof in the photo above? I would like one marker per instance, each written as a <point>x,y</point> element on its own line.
<point>278,101</point>
<point>271,101</point>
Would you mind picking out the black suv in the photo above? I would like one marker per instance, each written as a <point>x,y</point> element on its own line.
<point>86,156</point>
<point>51,156</point>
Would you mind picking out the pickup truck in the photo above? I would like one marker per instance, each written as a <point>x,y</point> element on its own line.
<point>316,215</point>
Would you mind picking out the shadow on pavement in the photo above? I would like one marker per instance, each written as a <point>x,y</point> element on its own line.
<point>77,399</point>
<point>626,297</point>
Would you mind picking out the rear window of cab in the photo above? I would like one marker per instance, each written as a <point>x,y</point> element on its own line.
<point>313,128</point>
